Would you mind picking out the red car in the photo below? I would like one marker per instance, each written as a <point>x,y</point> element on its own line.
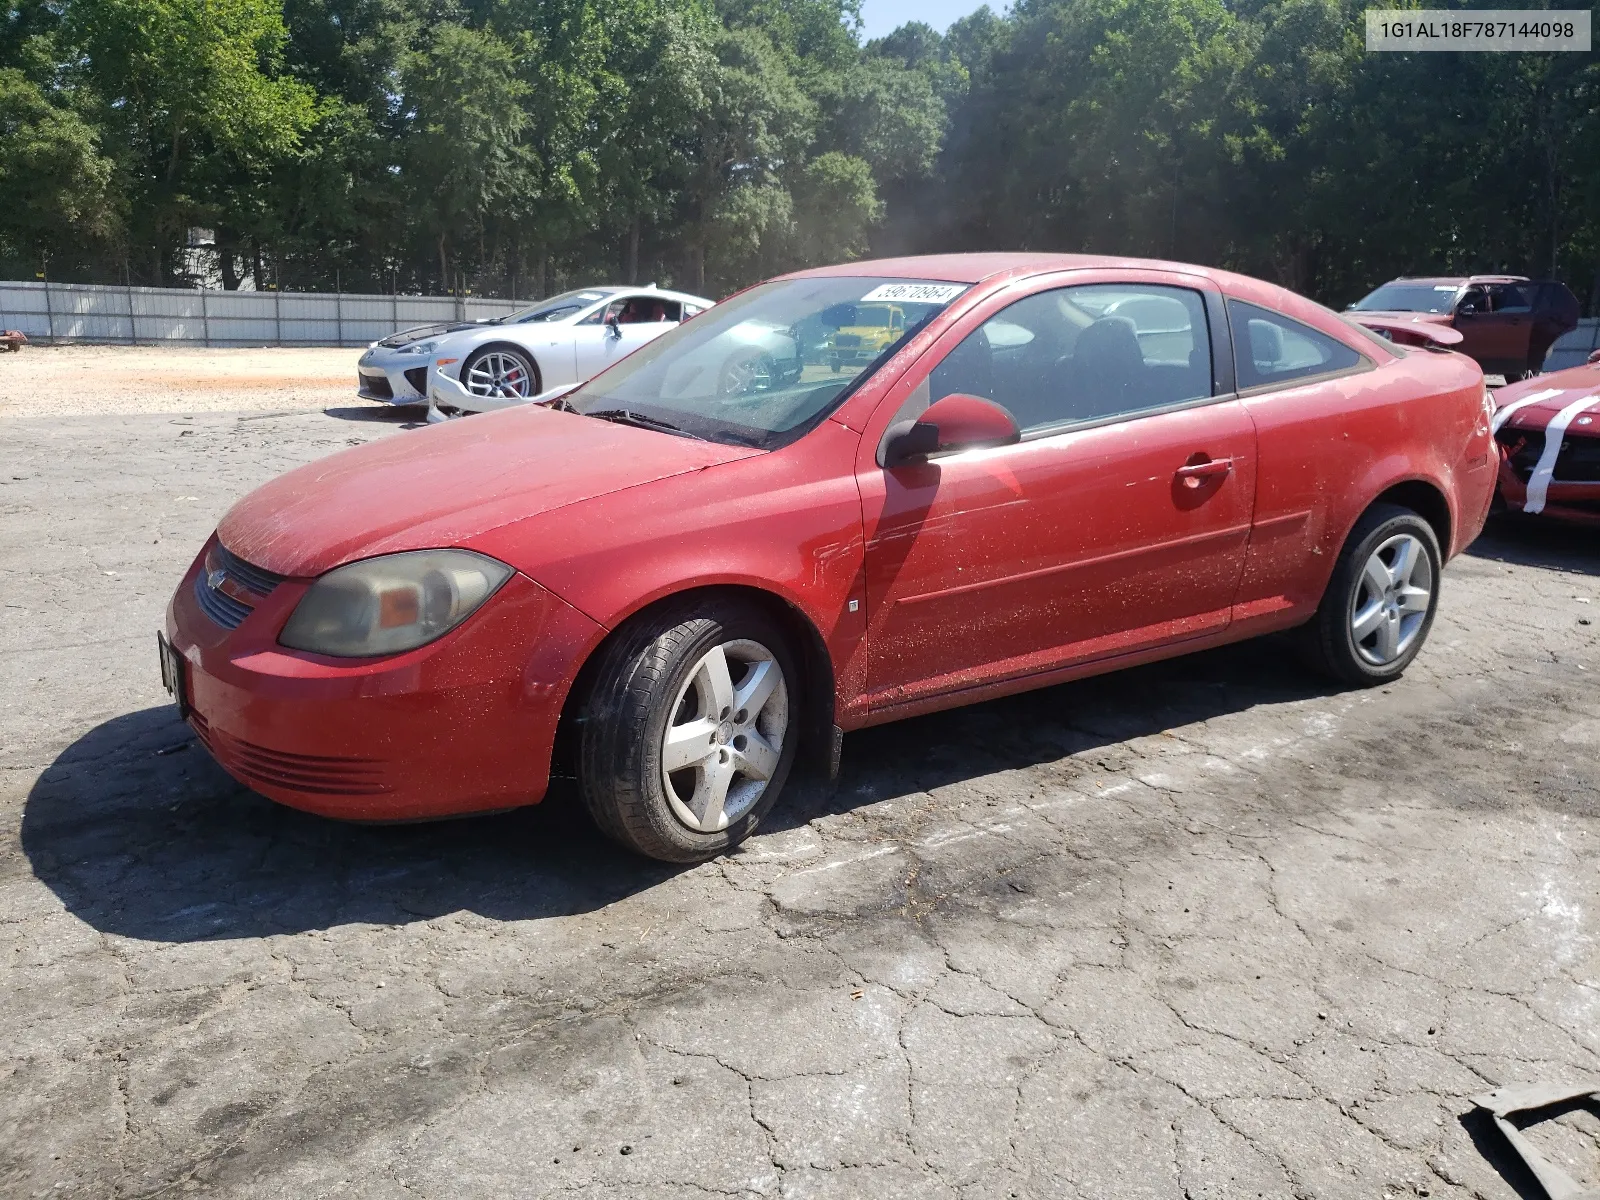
<point>1549,434</point>
<point>1507,322</point>
<point>696,567</point>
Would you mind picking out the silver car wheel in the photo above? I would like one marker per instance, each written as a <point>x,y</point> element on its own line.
<point>499,374</point>
<point>725,736</point>
<point>754,372</point>
<point>1392,600</point>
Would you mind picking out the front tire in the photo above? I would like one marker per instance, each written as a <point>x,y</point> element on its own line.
<point>690,730</point>
<point>1380,603</point>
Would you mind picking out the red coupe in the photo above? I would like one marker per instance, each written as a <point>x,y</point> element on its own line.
<point>1549,433</point>
<point>720,554</point>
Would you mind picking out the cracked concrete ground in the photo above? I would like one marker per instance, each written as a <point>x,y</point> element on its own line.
<point>1207,929</point>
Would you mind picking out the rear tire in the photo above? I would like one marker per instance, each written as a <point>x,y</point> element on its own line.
<point>690,730</point>
<point>1380,604</point>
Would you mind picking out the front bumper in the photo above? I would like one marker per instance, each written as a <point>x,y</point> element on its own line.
<point>401,382</point>
<point>1566,499</point>
<point>463,725</point>
<point>447,399</point>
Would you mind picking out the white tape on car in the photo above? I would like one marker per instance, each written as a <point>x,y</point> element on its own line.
<point>1554,434</point>
<point>1506,413</point>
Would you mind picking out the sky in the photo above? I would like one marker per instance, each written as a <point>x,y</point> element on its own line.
<point>879,17</point>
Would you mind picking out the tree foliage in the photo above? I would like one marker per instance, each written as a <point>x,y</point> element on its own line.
<point>523,145</point>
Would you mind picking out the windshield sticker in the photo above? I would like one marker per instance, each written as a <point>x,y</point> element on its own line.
<point>916,293</point>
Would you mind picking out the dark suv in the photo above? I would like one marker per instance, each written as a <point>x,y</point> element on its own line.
<point>1507,322</point>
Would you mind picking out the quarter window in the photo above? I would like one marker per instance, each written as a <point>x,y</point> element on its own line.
<point>1085,353</point>
<point>1269,348</point>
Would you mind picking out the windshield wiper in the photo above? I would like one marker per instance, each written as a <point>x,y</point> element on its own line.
<point>623,416</point>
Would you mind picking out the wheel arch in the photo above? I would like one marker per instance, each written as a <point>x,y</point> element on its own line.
<point>805,640</point>
<point>1428,501</point>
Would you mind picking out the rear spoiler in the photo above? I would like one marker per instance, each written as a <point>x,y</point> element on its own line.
<point>1409,333</point>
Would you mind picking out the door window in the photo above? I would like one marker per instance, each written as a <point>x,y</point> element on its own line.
<point>637,310</point>
<point>1083,353</point>
<point>1269,348</point>
<point>1511,297</point>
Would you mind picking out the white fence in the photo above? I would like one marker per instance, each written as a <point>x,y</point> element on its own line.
<point>77,312</point>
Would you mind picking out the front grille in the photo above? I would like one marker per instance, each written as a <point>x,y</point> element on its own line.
<point>417,377</point>
<point>1578,462</point>
<point>224,610</point>
<point>222,602</point>
<point>376,386</point>
<point>847,341</point>
<point>314,773</point>
<point>256,579</point>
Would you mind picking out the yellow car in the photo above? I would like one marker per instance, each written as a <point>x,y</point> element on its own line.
<point>873,327</point>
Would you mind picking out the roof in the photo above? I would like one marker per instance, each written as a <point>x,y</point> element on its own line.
<point>974,268</point>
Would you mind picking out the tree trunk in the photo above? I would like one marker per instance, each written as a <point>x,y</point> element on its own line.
<point>230,273</point>
<point>538,280</point>
<point>633,252</point>
<point>444,269</point>
<point>256,273</point>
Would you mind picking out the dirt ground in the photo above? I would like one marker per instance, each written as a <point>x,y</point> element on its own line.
<point>1205,930</point>
<point>48,381</point>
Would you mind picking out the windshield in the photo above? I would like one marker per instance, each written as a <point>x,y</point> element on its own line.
<point>1410,297</point>
<point>554,309</point>
<point>763,368</point>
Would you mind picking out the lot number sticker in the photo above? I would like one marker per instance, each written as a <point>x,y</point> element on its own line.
<point>916,293</point>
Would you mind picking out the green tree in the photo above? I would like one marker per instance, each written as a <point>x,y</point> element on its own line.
<point>193,92</point>
<point>462,156</point>
<point>55,185</point>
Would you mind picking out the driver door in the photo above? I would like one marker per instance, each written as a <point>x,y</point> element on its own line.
<point>598,344</point>
<point>1118,523</point>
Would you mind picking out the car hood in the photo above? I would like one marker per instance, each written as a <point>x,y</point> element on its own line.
<point>1533,402</point>
<point>447,484</point>
<point>415,334</point>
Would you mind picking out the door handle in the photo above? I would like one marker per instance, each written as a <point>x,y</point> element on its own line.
<point>1194,474</point>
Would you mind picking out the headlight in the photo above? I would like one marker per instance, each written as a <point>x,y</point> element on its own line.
<point>394,603</point>
<point>419,348</point>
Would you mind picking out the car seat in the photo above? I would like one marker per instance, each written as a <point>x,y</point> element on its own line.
<point>1107,370</point>
<point>1266,347</point>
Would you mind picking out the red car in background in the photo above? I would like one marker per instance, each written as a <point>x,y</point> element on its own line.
<point>1507,322</point>
<point>694,568</point>
<point>1548,429</point>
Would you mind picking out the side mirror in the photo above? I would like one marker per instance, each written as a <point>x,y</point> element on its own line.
<point>1594,357</point>
<point>957,422</point>
<point>613,326</point>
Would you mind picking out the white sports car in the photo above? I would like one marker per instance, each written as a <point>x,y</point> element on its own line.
<point>556,341</point>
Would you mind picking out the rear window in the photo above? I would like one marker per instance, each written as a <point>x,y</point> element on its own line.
<point>1270,348</point>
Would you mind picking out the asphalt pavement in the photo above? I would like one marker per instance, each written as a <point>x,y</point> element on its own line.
<point>1211,928</point>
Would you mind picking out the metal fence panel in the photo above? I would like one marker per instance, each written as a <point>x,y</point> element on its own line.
<point>76,312</point>
<point>1573,349</point>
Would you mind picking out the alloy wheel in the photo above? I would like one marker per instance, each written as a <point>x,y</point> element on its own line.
<point>725,736</point>
<point>501,375</point>
<point>1391,600</point>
